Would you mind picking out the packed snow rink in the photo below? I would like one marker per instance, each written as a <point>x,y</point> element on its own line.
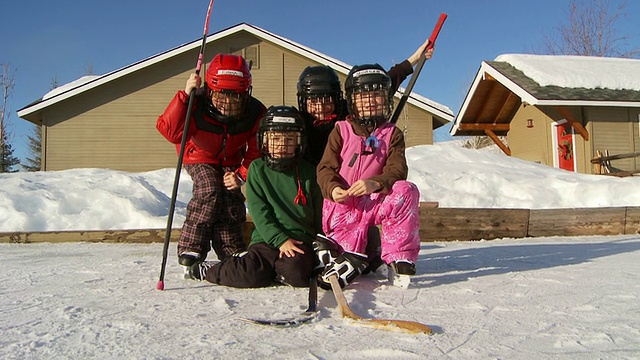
<point>540,298</point>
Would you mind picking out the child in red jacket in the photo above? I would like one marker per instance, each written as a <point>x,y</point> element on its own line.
<point>221,144</point>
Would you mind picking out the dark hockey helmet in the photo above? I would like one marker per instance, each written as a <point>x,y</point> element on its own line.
<point>369,95</point>
<point>282,137</point>
<point>228,83</point>
<point>320,83</point>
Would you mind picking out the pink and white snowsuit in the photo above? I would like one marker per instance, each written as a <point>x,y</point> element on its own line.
<point>397,209</point>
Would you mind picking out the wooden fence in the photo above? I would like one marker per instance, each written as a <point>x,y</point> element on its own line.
<point>442,224</point>
<point>436,224</point>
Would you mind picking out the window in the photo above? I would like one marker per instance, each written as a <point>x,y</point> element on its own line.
<point>250,53</point>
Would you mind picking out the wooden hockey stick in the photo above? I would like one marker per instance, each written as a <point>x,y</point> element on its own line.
<point>401,325</point>
<point>183,142</point>
<point>416,73</point>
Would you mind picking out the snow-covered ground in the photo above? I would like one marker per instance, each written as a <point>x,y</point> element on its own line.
<point>534,298</point>
<point>85,199</point>
<point>542,298</point>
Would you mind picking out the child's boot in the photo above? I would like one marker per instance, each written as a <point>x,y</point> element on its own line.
<point>347,267</point>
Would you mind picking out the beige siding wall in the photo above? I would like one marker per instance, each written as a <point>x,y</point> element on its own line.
<point>268,80</point>
<point>532,144</point>
<point>113,125</point>
<point>613,130</point>
<point>416,124</point>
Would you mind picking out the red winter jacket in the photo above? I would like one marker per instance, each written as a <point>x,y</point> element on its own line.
<point>209,141</point>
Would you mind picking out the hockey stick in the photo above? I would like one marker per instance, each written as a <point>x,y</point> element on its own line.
<point>176,180</point>
<point>401,325</point>
<point>309,314</point>
<point>414,77</point>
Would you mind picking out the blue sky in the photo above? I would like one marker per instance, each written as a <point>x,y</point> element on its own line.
<point>62,39</point>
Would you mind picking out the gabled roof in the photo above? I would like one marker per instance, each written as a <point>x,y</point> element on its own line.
<point>500,86</point>
<point>77,87</point>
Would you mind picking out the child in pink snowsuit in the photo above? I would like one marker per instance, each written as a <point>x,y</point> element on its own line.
<point>363,175</point>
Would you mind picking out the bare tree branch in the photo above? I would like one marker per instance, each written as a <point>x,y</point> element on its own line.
<point>591,31</point>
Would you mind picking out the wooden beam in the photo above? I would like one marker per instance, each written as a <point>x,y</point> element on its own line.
<point>504,104</point>
<point>573,122</point>
<point>478,126</point>
<point>436,224</point>
<point>447,224</point>
<point>496,140</point>
<point>600,158</point>
<point>577,222</point>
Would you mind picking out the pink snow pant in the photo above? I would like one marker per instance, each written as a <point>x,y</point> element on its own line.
<point>397,212</point>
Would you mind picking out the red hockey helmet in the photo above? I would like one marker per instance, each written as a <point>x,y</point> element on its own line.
<point>228,72</point>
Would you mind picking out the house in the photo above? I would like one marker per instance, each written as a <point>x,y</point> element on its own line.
<point>109,121</point>
<point>561,111</point>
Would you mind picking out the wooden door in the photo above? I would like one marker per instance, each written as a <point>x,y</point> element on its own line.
<point>565,151</point>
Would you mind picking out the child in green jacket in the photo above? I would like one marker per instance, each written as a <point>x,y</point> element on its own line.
<point>285,204</point>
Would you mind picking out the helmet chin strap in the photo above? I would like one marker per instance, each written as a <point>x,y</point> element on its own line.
<point>369,122</point>
<point>318,122</point>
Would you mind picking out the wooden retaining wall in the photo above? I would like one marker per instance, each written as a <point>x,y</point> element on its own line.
<point>436,224</point>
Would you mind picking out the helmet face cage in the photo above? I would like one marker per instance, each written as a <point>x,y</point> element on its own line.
<point>322,108</point>
<point>282,137</point>
<point>228,81</point>
<point>229,103</point>
<point>319,92</point>
<point>369,95</point>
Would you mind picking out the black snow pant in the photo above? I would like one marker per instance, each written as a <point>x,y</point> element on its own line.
<point>261,265</point>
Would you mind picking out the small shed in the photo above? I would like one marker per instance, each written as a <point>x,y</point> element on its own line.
<point>561,111</point>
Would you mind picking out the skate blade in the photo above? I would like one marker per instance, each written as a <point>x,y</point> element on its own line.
<point>382,271</point>
<point>185,274</point>
<point>293,321</point>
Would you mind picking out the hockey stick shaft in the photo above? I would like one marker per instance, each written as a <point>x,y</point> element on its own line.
<point>402,325</point>
<point>414,77</point>
<point>176,180</point>
<point>313,294</point>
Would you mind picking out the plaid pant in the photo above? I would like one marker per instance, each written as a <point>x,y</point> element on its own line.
<point>215,215</point>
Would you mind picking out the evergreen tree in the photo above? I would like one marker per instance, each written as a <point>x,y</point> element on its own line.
<point>7,161</point>
<point>34,160</point>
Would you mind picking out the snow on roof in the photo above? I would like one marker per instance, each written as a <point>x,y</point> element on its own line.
<point>570,71</point>
<point>68,86</point>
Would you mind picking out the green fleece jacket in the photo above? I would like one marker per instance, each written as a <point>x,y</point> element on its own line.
<point>270,199</point>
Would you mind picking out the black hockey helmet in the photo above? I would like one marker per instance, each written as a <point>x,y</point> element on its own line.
<point>369,78</point>
<point>285,125</point>
<point>318,82</point>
